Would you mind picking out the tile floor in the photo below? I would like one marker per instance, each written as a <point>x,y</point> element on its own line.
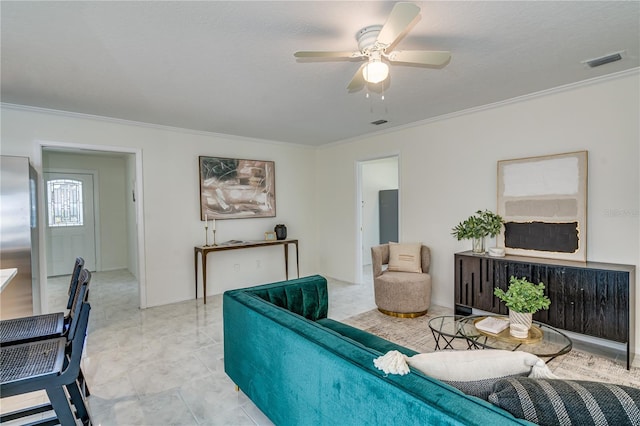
<point>164,365</point>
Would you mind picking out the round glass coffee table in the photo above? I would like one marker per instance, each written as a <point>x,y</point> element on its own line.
<point>546,342</point>
<point>447,328</point>
<point>549,343</point>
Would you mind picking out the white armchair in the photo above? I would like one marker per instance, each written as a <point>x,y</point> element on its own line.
<point>399,292</point>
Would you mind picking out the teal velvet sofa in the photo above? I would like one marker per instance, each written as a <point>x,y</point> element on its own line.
<point>302,368</point>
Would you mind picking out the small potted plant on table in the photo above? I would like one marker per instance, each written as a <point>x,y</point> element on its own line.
<point>523,298</point>
<point>477,227</point>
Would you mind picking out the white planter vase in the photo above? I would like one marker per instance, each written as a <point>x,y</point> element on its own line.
<point>519,324</point>
<point>525,319</point>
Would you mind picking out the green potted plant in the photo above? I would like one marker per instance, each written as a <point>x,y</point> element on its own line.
<point>523,298</point>
<point>477,227</point>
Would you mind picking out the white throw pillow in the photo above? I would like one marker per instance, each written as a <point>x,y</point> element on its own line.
<point>483,364</point>
<point>472,372</point>
<point>405,257</point>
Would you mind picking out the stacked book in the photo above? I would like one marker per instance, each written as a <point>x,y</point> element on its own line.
<point>492,325</point>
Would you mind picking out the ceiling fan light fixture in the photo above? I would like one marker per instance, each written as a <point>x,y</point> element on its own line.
<point>375,71</point>
<point>375,45</point>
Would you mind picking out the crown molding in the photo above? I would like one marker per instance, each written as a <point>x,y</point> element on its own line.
<point>517,99</point>
<point>124,122</point>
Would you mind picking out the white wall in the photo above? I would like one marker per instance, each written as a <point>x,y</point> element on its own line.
<point>377,175</point>
<point>448,171</point>
<point>172,223</point>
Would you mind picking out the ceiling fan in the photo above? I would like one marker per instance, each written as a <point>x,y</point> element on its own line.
<point>375,44</point>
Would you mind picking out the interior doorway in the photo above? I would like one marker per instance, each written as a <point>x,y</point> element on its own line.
<point>111,236</point>
<point>378,213</point>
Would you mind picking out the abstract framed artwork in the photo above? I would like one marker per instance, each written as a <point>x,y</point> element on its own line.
<point>233,188</point>
<point>543,201</point>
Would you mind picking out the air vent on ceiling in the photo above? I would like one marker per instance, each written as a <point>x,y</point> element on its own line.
<point>378,122</point>
<point>596,62</point>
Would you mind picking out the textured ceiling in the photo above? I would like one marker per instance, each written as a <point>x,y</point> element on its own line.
<point>228,67</point>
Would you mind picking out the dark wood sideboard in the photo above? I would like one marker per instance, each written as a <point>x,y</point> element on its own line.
<point>590,298</point>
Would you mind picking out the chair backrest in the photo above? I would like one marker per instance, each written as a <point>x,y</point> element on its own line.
<point>76,343</point>
<point>81,297</point>
<point>73,285</point>
<point>380,256</point>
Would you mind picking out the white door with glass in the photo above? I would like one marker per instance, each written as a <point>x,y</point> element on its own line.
<point>70,222</point>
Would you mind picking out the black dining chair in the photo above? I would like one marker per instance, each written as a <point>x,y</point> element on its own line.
<point>52,365</point>
<point>49,326</point>
<point>46,326</point>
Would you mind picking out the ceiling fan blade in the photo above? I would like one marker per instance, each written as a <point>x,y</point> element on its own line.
<point>357,82</point>
<point>312,54</point>
<point>423,57</point>
<point>399,19</point>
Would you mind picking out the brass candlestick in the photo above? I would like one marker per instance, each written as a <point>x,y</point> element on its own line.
<point>214,238</point>
<point>206,235</point>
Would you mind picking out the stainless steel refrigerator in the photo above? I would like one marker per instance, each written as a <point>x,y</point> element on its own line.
<point>19,237</point>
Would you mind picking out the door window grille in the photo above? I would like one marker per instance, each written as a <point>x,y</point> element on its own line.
<point>65,203</point>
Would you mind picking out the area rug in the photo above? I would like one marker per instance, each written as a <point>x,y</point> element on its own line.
<point>414,333</point>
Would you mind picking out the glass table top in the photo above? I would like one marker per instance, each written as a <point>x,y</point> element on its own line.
<point>552,343</point>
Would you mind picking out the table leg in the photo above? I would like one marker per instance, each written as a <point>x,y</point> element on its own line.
<point>449,342</point>
<point>204,276</point>
<point>476,345</point>
<point>286,261</point>
<point>470,345</point>
<point>298,262</point>
<point>195,261</point>
<point>436,337</point>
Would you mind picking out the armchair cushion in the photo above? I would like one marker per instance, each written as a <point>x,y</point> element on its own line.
<point>405,257</point>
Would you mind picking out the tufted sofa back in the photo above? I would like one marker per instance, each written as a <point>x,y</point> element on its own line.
<point>308,298</point>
